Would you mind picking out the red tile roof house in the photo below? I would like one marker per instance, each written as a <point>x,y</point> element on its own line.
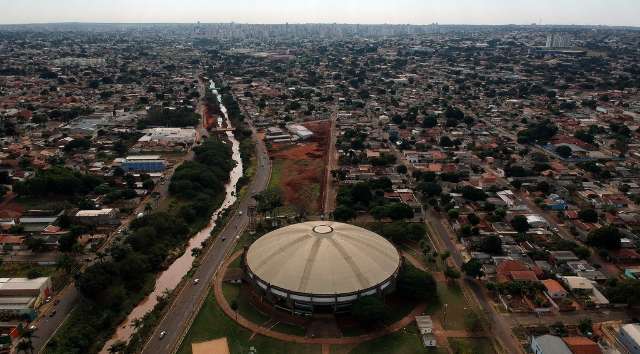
<point>555,289</point>
<point>625,256</point>
<point>582,345</point>
<point>510,270</point>
<point>571,214</point>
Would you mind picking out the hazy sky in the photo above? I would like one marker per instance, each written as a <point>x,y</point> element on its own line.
<point>609,12</point>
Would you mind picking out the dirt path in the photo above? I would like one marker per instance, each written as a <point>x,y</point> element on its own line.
<point>414,261</point>
<point>253,327</point>
<point>329,197</point>
<point>326,349</point>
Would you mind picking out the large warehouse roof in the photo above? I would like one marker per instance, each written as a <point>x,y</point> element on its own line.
<point>323,257</point>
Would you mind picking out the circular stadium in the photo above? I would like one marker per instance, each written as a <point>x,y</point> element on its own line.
<point>320,266</point>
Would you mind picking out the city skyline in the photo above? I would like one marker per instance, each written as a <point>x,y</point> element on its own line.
<point>486,12</point>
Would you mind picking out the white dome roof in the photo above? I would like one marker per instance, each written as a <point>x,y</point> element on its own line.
<point>323,258</point>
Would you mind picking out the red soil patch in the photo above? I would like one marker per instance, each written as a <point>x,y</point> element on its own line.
<point>303,169</point>
<point>210,117</point>
<point>9,208</point>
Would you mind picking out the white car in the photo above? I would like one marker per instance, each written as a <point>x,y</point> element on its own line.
<point>162,334</point>
<point>196,281</point>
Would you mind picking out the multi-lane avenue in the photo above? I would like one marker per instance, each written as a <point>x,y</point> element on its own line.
<point>179,316</point>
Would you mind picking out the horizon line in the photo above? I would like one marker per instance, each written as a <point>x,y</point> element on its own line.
<point>532,24</point>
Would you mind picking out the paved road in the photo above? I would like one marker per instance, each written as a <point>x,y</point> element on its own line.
<point>47,324</point>
<point>179,316</point>
<point>499,327</point>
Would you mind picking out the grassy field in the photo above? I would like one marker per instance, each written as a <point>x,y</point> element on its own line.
<point>212,323</point>
<point>21,270</point>
<point>276,173</point>
<point>457,308</point>
<point>24,270</point>
<point>245,308</point>
<point>471,346</point>
<point>406,341</point>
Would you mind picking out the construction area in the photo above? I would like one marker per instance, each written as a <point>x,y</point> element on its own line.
<point>299,170</point>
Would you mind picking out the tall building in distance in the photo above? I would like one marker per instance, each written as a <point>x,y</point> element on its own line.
<point>558,40</point>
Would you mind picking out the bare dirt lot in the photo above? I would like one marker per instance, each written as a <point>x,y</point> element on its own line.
<point>299,169</point>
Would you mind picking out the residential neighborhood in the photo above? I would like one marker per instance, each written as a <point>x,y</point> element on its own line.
<point>492,171</point>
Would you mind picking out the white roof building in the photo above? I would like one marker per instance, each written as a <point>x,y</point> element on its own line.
<point>629,336</point>
<point>300,131</point>
<point>169,135</point>
<point>95,213</point>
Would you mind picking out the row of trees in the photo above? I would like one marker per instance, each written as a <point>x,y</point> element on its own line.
<point>412,284</point>
<point>207,174</point>
<point>125,273</point>
<point>58,181</point>
<point>164,117</point>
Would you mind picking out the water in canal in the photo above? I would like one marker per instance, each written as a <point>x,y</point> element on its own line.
<point>170,278</point>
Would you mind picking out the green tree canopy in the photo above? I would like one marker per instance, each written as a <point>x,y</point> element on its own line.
<point>607,237</point>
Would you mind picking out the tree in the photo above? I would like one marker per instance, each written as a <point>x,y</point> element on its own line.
<point>148,184</point>
<point>429,121</point>
<point>117,347</point>
<point>402,169</point>
<point>446,141</point>
<point>453,214</point>
<point>268,200</point>
<point>35,244</point>
<point>473,268</point>
<point>451,274</point>
<point>520,223</point>
<point>369,310</point>
<point>472,322</point>
<point>120,148</point>
<point>430,188</point>
<point>234,306</point>
<point>399,211</point>
<point>130,180</point>
<point>588,215</point>
<point>361,192</point>
<point>68,264</point>
<point>582,252</point>
<point>24,346</point>
<point>559,329</point>
<point>416,284</point>
<point>625,291</point>
<point>473,194</point>
<point>564,151</point>
<point>343,213</point>
<point>607,237</point>
<point>473,219</point>
<point>586,326</point>
<point>378,212</point>
<point>491,245</point>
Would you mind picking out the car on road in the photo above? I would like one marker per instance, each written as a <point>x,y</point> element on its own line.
<point>56,302</point>
<point>33,327</point>
<point>162,334</point>
<point>240,212</point>
<point>53,313</point>
<point>196,281</point>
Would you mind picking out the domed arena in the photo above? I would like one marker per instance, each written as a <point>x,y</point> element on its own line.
<point>320,266</point>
